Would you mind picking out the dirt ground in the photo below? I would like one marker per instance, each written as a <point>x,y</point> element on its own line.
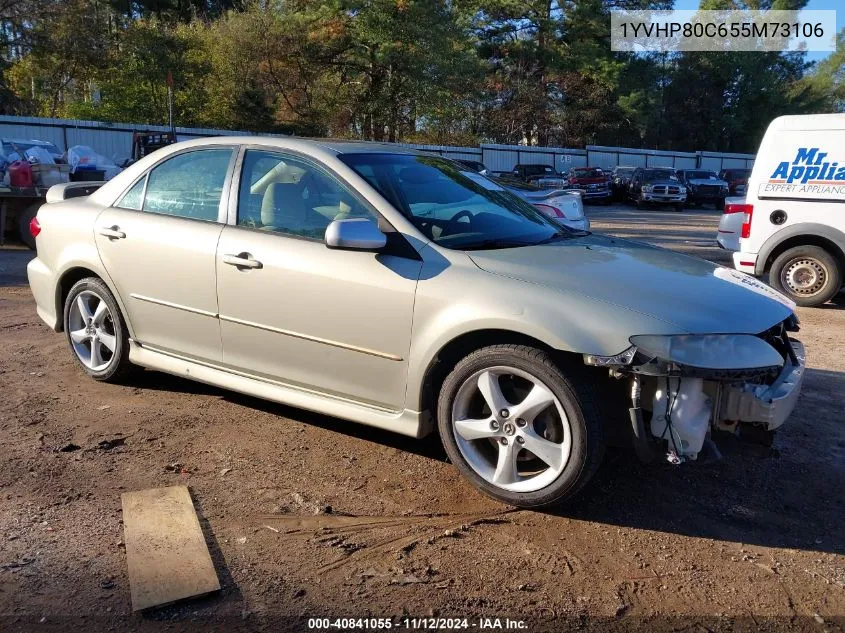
<point>307,515</point>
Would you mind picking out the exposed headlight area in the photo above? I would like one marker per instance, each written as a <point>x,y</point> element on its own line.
<point>685,386</point>
<point>720,352</point>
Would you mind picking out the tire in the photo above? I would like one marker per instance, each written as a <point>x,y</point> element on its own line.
<point>84,334</point>
<point>679,208</point>
<point>567,431</point>
<point>23,224</point>
<point>810,263</point>
<point>719,205</point>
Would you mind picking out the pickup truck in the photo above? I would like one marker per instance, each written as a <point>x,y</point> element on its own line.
<point>541,175</point>
<point>592,182</point>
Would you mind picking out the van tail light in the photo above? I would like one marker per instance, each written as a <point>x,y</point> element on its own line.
<point>748,210</point>
<point>34,227</point>
<point>549,210</point>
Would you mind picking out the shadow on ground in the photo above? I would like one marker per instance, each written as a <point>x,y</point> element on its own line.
<point>788,496</point>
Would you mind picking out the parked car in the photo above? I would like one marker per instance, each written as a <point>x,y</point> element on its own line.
<point>474,165</point>
<point>789,227</point>
<point>704,187</point>
<point>565,206</point>
<point>382,286</point>
<point>657,186</point>
<point>737,180</point>
<point>541,175</point>
<point>592,182</point>
<point>620,178</point>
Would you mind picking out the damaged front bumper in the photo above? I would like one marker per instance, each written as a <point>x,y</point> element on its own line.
<point>768,405</point>
<point>685,387</point>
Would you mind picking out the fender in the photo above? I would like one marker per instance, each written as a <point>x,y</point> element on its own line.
<point>93,264</point>
<point>804,228</point>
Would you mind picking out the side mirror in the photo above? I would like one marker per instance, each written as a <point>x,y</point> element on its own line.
<point>355,234</point>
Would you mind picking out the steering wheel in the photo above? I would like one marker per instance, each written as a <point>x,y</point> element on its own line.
<point>450,228</point>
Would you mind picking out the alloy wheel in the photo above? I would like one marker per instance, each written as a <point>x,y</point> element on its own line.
<point>91,330</point>
<point>511,429</point>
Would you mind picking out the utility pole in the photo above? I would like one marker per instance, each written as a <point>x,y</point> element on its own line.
<point>170,100</point>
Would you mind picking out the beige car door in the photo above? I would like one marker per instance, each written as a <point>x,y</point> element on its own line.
<point>291,309</point>
<point>158,245</point>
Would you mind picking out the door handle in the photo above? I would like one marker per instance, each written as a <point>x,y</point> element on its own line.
<point>112,232</point>
<point>242,260</point>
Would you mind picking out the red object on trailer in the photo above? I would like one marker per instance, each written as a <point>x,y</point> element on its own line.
<point>20,174</point>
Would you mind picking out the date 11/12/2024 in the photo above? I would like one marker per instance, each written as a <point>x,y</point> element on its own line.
<point>443,624</point>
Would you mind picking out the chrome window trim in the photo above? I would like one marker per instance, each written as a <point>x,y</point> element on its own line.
<point>223,207</point>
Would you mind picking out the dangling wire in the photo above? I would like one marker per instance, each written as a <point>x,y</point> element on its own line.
<point>668,416</point>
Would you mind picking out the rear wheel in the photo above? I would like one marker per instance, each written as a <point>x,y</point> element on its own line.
<point>808,275</point>
<point>96,332</point>
<point>519,428</point>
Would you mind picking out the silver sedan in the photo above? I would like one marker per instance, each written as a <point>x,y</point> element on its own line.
<point>392,288</point>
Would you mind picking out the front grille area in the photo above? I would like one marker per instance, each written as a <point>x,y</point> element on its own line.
<point>667,189</point>
<point>709,190</point>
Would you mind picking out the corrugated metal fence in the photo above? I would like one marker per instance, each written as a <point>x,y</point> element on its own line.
<point>114,140</point>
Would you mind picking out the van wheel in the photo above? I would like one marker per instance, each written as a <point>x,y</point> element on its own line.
<point>808,275</point>
<point>96,331</point>
<point>520,428</point>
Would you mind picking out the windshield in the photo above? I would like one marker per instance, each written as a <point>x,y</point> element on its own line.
<point>624,171</point>
<point>534,170</point>
<point>702,175</point>
<point>454,208</point>
<point>659,174</point>
<point>588,172</point>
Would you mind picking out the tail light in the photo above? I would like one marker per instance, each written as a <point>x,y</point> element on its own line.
<point>34,227</point>
<point>748,210</point>
<point>549,210</point>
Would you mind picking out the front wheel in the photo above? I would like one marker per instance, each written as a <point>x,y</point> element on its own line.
<point>96,332</point>
<point>808,275</point>
<point>519,428</point>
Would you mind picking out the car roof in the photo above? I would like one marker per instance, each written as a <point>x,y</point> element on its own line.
<point>332,146</point>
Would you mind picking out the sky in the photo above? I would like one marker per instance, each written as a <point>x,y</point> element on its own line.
<point>812,4</point>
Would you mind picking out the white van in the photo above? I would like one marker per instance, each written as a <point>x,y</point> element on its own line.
<point>791,222</point>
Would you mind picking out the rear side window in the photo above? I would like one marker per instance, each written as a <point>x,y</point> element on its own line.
<point>134,198</point>
<point>189,185</point>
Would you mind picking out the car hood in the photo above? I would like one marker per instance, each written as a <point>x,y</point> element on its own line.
<point>690,294</point>
<point>588,181</point>
<point>707,181</point>
<point>663,181</point>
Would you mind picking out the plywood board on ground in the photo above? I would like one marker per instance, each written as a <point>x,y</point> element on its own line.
<point>165,549</point>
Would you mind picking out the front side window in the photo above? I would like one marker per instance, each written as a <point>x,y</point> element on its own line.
<point>454,207</point>
<point>188,185</point>
<point>285,194</point>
